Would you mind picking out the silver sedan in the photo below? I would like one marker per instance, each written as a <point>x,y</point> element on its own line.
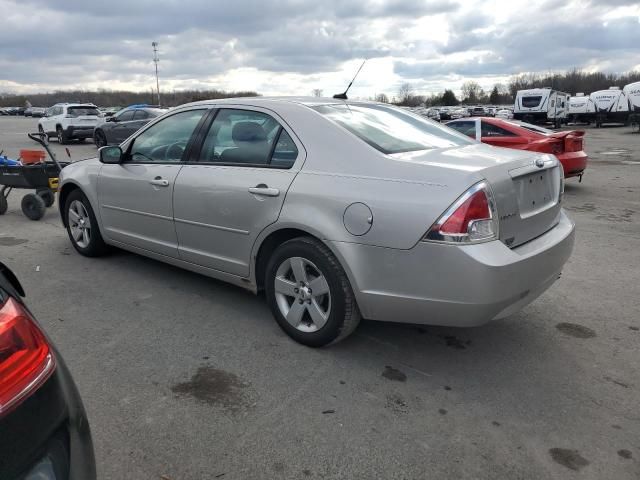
<point>336,209</point>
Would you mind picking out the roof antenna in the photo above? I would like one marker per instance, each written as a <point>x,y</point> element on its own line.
<point>343,96</point>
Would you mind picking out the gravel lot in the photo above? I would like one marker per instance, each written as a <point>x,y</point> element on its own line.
<point>184,377</point>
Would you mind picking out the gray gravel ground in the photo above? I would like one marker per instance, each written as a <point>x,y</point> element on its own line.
<point>184,377</point>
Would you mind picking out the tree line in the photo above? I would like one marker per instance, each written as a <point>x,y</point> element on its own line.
<point>572,82</point>
<point>116,98</point>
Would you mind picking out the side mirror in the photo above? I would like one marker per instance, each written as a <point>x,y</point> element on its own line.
<point>110,155</point>
<point>111,119</point>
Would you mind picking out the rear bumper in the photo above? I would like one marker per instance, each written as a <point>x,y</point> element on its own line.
<point>573,163</point>
<point>462,286</point>
<point>80,131</point>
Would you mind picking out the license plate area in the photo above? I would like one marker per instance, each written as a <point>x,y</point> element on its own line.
<point>537,191</point>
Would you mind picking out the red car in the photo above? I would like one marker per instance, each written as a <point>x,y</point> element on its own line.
<point>567,146</point>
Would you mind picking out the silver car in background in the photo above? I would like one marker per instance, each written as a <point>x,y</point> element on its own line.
<point>336,209</point>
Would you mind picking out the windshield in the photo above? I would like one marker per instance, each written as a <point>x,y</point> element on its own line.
<point>392,130</point>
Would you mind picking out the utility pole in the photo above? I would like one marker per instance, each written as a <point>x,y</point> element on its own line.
<point>156,59</point>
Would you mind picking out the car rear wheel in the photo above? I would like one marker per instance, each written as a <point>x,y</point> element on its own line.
<point>82,226</point>
<point>309,293</point>
<point>100,139</point>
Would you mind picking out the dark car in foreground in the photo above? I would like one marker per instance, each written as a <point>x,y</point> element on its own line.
<point>44,432</point>
<point>120,126</point>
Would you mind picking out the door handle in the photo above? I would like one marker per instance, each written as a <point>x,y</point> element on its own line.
<point>159,182</point>
<point>262,189</point>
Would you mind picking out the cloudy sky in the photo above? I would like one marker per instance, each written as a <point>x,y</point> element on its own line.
<point>291,47</point>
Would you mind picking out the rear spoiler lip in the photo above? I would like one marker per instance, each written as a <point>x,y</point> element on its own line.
<point>572,133</point>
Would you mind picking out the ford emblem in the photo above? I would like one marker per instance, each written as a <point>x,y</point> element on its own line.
<point>539,162</point>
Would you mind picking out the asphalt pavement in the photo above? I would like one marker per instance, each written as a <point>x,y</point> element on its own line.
<point>185,377</point>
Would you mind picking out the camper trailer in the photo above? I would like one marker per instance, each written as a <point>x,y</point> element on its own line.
<point>611,106</point>
<point>541,105</point>
<point>632,92</point>
<point>581,109</point>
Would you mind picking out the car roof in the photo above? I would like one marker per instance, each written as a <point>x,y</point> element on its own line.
<point>300,100</point>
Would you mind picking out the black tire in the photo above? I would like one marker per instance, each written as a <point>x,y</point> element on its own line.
<point>47,195</point>
<point>343,314</point>
<point>100,139</point>
<point>4,205</point>
<point>33,206</point>
<point>42,132</point>
<point>96,246</point>
<point>62,136</point>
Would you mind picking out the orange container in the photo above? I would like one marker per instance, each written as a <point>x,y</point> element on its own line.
<point>31,156</point>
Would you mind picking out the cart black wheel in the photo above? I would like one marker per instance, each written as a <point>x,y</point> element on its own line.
<point>33,206</point>
<point>47,195</point>
<point>62,137</point>
<point>42,133</point>
<point>4,205</point>
<point>82,226</point>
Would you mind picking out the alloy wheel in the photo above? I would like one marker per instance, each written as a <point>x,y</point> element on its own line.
<point>302,294</point>
<point>79,224</point>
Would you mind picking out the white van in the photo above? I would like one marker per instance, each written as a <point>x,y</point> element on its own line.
<point>611,106</point>
<point>581,109</point>
<point>541,105</point>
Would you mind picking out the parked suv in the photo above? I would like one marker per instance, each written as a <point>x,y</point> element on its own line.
<point>69,121</point>
<point>122,125</point>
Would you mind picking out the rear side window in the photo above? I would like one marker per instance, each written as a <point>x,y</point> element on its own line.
<point>490,130</point>
<point>530,102</point>
<point>248,137</point>
<point>165,141</point>
<point>391,130</point>
<point>79,111</point>
<point>466,128</point>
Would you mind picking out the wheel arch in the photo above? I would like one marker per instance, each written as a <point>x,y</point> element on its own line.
<point>63,194</point>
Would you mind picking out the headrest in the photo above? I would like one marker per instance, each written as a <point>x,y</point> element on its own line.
<point>248,132</point>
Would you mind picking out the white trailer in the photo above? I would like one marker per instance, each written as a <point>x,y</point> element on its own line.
<point>632,92</point>
<point>611,106</point>
<point>541,105</point>
<point>581,109</point>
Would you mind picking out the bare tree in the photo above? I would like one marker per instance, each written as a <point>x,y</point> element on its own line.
<point>405,92</point>
<point>316,92</point>
<point>471,92</point>
<point>382,98</point>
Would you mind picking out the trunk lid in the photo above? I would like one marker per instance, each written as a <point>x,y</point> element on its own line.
<point>526,185</point>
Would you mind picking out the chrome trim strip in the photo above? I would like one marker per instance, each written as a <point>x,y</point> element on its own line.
<point>137,212</point>
<point>215,227</point>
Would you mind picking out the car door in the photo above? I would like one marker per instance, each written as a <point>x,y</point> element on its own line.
<point>136,196</point>
<point>120,127</point>
<point>233,187</point>
<point>498,136</point>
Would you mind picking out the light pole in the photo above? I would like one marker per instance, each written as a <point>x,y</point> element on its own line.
<point>156,59</point>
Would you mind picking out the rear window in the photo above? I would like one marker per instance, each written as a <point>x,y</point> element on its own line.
<point>530,102</point>
<point>391,130</point>
<point>79,111</point>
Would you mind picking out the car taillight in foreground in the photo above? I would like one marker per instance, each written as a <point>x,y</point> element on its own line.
<point>472,218</point>
<point>26,360</point>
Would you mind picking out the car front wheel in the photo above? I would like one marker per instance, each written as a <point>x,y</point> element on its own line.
<point>309,293</point>
<point>82,226</point>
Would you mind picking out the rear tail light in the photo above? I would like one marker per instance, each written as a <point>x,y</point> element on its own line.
<point>26,360</point>
<point>557,147</point>
<point>472,218</point>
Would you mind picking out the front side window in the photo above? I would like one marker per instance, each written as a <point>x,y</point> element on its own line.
<point>125,116</point>
<point>165,141</point>
<point>531,102</point>
<point>140,115</point>
<point>467,128</point>
<point>490,130</point>
<point>242,137</point>
<point>391,130</point>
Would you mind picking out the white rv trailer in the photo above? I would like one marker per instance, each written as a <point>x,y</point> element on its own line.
<point>632,92</point>
<point>581,109</point>
<point>541,105</point>
<point>611,106</point>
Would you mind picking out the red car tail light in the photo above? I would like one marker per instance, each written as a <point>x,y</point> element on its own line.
<point>472,218</point>
<point>26,360</point>
<point>557,147</point>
